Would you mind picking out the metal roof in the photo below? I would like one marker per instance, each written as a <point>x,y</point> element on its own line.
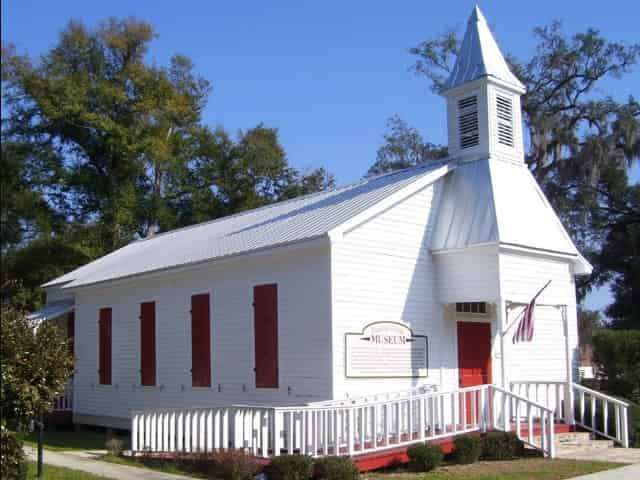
<point>52,310</point>
<point>498,202</point>
<point>295,220</point>
<point>523,213</point>
<point>466,214</point>
<point>480,56</point>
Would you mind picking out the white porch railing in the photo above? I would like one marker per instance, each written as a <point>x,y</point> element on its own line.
<point>532,422</point>
<point>604,415</point>
<point>550,394</point>
<point>594,410</point>
<point>376,397</point>
<point>352,429</point>
<point>64,402</point>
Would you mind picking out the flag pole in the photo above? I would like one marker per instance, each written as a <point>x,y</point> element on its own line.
<point>569,418</point>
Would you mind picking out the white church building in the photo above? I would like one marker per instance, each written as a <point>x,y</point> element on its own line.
<point>352,321</point>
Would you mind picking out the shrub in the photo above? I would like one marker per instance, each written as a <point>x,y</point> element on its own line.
<point>501,446</point>
<point>12,457</point>
<point>335,468</point>
<point>115,446</point>
<point>290,467</point>
<point>424,458</point>
<point>233,465</point>
<point>466,449</point>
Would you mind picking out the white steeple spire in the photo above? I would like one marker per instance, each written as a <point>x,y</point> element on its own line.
<point>483,99</point>
<point>480,56</point>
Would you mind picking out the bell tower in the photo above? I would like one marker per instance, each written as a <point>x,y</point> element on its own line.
<point>483,99</point>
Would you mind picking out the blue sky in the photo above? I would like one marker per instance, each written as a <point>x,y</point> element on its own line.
<point>328,74</point>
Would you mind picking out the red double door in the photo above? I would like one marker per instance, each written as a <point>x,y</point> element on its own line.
<point>474,358</point>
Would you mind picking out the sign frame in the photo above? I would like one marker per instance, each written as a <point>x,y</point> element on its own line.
<point>373,375</point>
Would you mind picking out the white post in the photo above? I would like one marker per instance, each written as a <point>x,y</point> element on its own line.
<point>422,424</point>
<point>482,409</point>
<point>552,443</point>
<point>503,318</point>
<point>264,433</point>
<point>180,440</point>
<point>350,426</point>
<point>568,389</point>
<point>134,434</point>
<point>277,428</point>
<point>624,428</point>
<point>172,432</point>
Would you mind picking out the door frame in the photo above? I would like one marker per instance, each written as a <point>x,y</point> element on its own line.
<point>490,363</point>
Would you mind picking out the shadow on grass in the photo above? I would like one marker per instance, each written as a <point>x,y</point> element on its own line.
<point>60,439</point>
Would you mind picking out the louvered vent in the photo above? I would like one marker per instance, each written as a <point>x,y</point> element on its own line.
<point>505,120</point>
<point>468,122</point>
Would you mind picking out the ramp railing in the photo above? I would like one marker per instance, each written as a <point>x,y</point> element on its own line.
<point>352,429</point>
<point>592,410</point>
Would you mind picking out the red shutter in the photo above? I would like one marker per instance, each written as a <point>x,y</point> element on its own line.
<point>105,346</point>
<point>265,302</point>
<point>148,343</point>
<point>200,341</point>
<point>71,330</point>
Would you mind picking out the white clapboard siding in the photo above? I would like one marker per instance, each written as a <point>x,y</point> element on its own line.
<point>521,276</point>
<point>304,336</point>
<point>468,275</point>
<point>383,271</point>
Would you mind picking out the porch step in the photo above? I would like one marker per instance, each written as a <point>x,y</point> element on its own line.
<point>569,437</point>
<point>586,445</point>
<point>579,441</point>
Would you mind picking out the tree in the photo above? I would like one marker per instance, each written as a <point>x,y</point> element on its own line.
<point>618,261</point>
<point>24,209</point>
<point>102,147</point>
<point>110,120</point>
<point>227,175</point>
<point>36,363</point>
<point>404,147</point>
<point>25,269</point>
<point>579,144</point>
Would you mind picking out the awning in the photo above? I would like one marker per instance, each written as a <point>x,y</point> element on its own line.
<point>52,310</point>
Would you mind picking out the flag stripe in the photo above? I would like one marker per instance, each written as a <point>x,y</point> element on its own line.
<point>525,329</point>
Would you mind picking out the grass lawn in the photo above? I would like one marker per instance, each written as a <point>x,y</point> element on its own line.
<point>59,473</point>
<point>66,440</point>
<point>525,469</point>
<point>159,465</point>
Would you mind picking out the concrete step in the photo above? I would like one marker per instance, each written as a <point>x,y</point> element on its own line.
<point>586,445</point>
<point>573,437</point>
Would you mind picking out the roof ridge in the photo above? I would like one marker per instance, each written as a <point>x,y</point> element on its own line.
<point>347,186</point>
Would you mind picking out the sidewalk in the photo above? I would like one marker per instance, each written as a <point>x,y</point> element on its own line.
<point>623,473</point>
<point>86,462</point>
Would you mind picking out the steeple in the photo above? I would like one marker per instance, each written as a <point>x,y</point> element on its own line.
<point>480,56</point>
<point>483,99</point>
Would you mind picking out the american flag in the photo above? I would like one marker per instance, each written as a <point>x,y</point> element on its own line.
<point>524,332</point>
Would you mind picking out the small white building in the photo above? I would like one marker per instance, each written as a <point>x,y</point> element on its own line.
<point>409,281</point>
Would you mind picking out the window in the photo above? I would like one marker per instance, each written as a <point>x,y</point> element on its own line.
<point>200,341</point>
<point>504,109</point>
<point>148,343</point>
<point>468,122</point>
<point>265,310</point>
<point>104,347</point>
<point>472,307</point>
